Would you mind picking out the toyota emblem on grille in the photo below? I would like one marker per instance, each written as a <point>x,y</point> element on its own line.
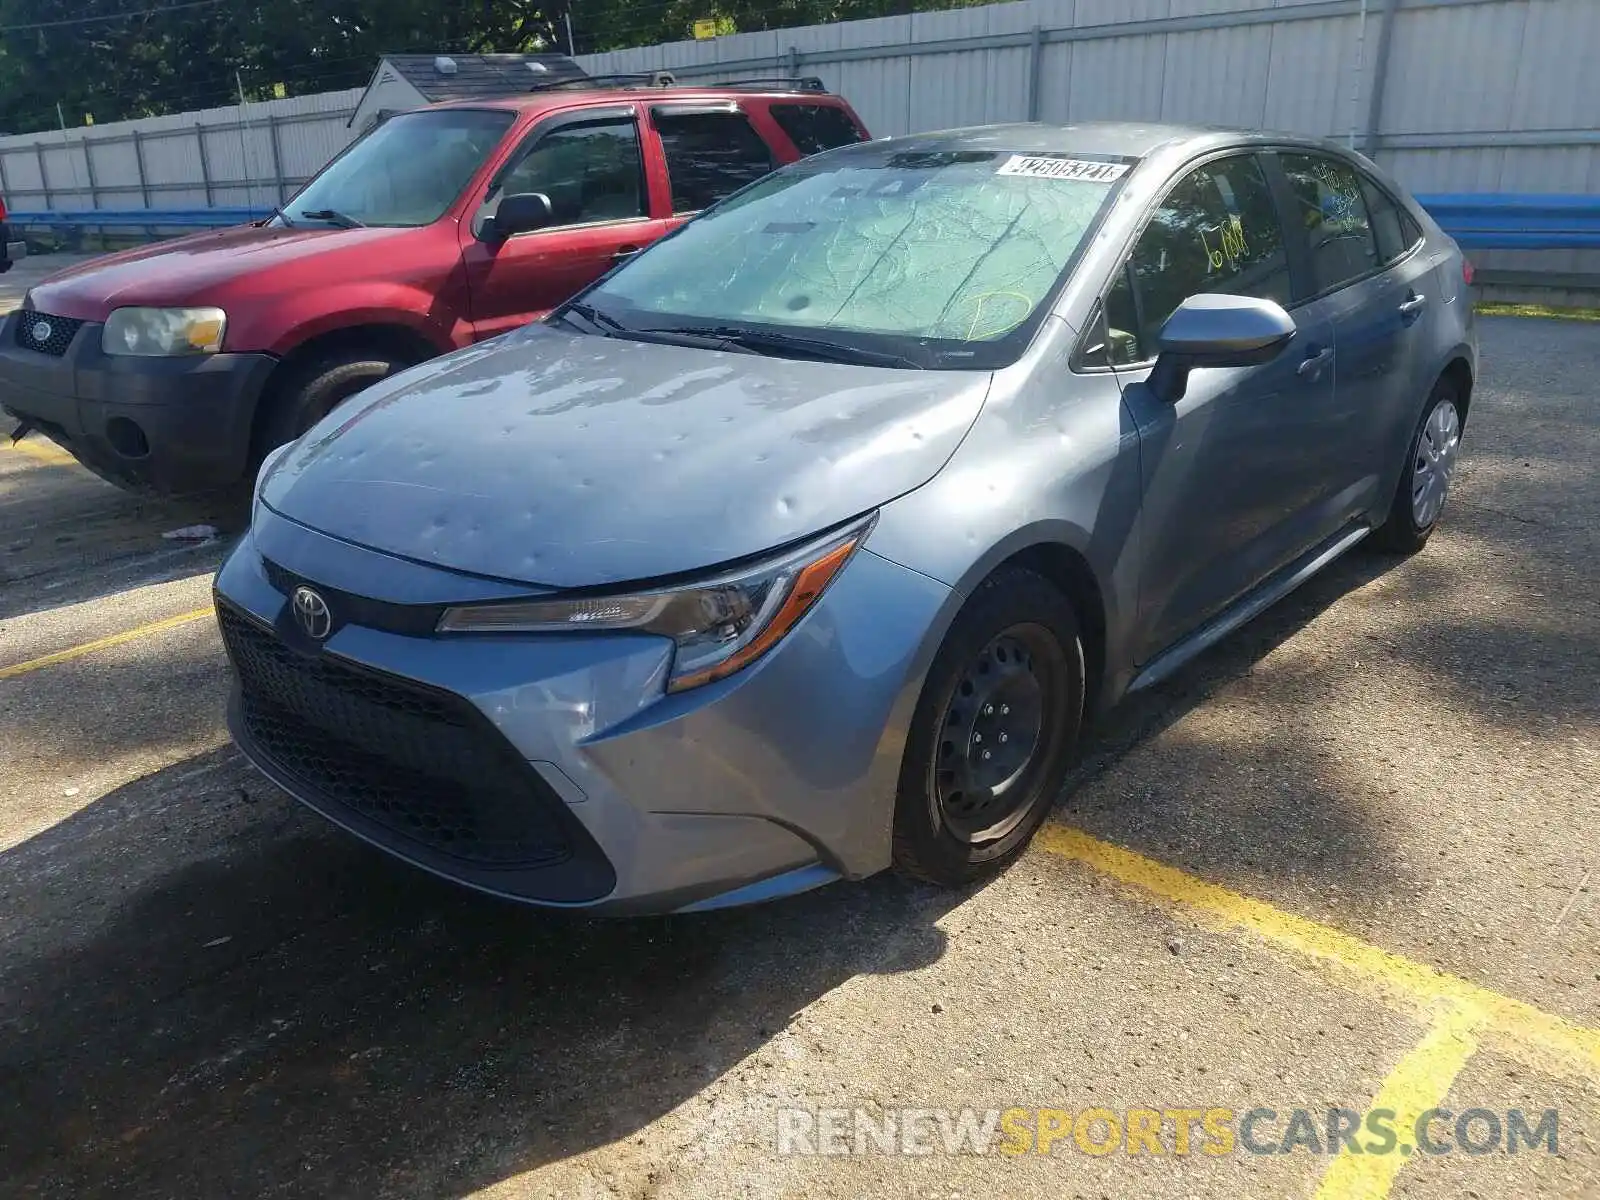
<point>311,613</point>
<point>41,332</point>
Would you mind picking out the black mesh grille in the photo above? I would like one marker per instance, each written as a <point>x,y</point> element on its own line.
<point>59,332</point>
<point>423,764</point>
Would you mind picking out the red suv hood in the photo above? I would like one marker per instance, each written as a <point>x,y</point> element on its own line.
<point>193,270</point>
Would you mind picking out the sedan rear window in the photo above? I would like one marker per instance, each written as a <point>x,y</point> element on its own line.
<point>948,257</point>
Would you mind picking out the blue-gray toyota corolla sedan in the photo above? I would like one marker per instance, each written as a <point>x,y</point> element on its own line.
<point>805,543</point>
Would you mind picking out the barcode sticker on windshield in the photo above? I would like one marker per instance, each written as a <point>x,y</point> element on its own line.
<point>1034,167</point>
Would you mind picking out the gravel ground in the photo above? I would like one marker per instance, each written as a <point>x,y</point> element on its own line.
<point>204,990</point>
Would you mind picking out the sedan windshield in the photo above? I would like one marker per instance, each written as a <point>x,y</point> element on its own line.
<point>406,172</point>
<point>935,259</point>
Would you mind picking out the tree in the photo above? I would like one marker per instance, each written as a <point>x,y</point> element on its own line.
<point>129,58</point>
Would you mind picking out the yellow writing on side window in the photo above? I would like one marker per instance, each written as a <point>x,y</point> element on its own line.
<point>1231,245</point>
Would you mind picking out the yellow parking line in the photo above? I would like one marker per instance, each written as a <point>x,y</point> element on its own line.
<point>1419,1081</point>
<point>115,639</point>
<point>1540,1039</point>
<point>45,452</point>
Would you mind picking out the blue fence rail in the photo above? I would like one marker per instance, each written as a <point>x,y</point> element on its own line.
<point>139,218</point>
<point>1479,221</point>
<point>1489,221</point>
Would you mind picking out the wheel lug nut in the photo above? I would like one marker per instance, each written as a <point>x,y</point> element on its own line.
<point>986,754</point>
<point>1005,710</point>
<point>976,738</point>
<point>988,710</point>
<point>1002,737</point>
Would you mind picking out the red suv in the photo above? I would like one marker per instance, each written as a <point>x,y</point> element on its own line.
<point>173,368</point>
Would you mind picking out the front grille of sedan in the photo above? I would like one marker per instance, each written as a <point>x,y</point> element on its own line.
<point>423,764</point>
<point>58,332</point>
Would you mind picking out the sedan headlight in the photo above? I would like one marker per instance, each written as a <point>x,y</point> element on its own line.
<point>718,626</point>
<point>162,332</point>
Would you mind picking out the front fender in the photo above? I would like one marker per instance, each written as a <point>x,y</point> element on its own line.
<point>395,306</point>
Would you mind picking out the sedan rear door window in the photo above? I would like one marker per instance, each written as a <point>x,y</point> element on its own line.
<point>1332,214</point>
<point>710,155</point>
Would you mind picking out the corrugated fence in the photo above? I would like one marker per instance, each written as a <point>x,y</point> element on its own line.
<point>241,156</point>
<point>1453,96</point>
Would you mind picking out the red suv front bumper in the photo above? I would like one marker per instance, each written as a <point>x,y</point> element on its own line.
<point>163,425</point>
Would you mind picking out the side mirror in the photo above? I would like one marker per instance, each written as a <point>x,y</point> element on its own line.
<point>1211,330</point>
<point>521,212</point>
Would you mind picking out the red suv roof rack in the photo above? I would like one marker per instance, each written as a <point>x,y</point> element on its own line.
<point>585,82</point>
<point>666,79</point>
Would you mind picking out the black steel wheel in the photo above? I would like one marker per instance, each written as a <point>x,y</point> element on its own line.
<point>995,737</point>
<point>994,731</point>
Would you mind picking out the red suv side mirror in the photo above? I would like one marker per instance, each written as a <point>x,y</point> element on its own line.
<point>522,212</point>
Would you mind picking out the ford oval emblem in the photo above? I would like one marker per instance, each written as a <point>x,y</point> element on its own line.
<point>311,613</point>
<point>42,331</point>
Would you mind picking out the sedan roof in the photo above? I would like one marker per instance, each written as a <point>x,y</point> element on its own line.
<point>1126,139</point>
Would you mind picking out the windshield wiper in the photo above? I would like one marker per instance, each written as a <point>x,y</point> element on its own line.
<point>761,341</point>
<point>278,214</point>
<point>333,216</point>
<point>609,326</point>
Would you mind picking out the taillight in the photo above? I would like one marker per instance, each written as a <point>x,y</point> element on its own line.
<point>2,208</point>
<point>1466,270</point>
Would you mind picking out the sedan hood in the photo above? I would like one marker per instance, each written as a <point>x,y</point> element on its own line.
<point>561,460</point>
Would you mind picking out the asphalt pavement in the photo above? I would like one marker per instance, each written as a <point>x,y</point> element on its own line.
<point>1345,861</point>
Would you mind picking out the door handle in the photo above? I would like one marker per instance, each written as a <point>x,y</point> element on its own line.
<point>1412,305</point>
<point>1311,368</point>
<point>625,252</point>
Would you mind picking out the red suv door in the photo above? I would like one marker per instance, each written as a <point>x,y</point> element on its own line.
<point>591,164</point>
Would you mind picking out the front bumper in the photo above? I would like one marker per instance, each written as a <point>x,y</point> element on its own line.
<point>770,782</point>
<point>165,425</point>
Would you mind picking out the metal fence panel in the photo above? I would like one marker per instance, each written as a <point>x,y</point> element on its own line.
<point>1217,76</point>
<point>1455,68</point>
<point>1312,64</point>
<point>179,160</point>
<point>1117,79</point>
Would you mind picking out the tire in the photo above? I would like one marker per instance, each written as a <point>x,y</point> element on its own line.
<point>1430,460</point>
<point>952,823</point>
<point>316,388</point>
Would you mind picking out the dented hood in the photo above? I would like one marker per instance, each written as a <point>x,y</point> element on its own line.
<point>562,460</point>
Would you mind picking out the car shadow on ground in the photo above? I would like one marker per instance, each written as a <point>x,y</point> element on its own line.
<point>266,1004</point>
<point>1301,766</point>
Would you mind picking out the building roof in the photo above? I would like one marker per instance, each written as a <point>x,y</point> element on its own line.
<point>477,76</point>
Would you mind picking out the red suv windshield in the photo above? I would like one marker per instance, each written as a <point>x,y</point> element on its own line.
<point>406,172</point>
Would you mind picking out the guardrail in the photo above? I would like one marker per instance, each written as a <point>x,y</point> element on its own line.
<point>139,218</point>
<point>1479,221</point>
<point>1493,221</point>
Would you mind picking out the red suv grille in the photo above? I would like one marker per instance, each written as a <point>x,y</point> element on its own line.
<point>46,334</point>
